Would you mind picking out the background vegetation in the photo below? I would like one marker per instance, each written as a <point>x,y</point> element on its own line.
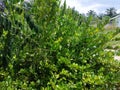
<point>45,46</point>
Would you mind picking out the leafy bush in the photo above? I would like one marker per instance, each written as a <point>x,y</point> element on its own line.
<point>53,47</point>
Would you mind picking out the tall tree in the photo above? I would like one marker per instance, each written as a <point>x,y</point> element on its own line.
<point>111,12</point>
<point>92,13</point>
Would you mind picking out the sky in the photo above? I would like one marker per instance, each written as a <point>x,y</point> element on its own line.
<point>99,6</point>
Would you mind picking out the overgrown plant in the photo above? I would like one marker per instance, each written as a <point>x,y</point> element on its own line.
<point>52,47</point>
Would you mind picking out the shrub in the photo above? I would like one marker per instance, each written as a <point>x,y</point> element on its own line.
<point>47,47</point>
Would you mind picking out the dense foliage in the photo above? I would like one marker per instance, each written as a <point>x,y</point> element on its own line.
<point>45,46</point>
